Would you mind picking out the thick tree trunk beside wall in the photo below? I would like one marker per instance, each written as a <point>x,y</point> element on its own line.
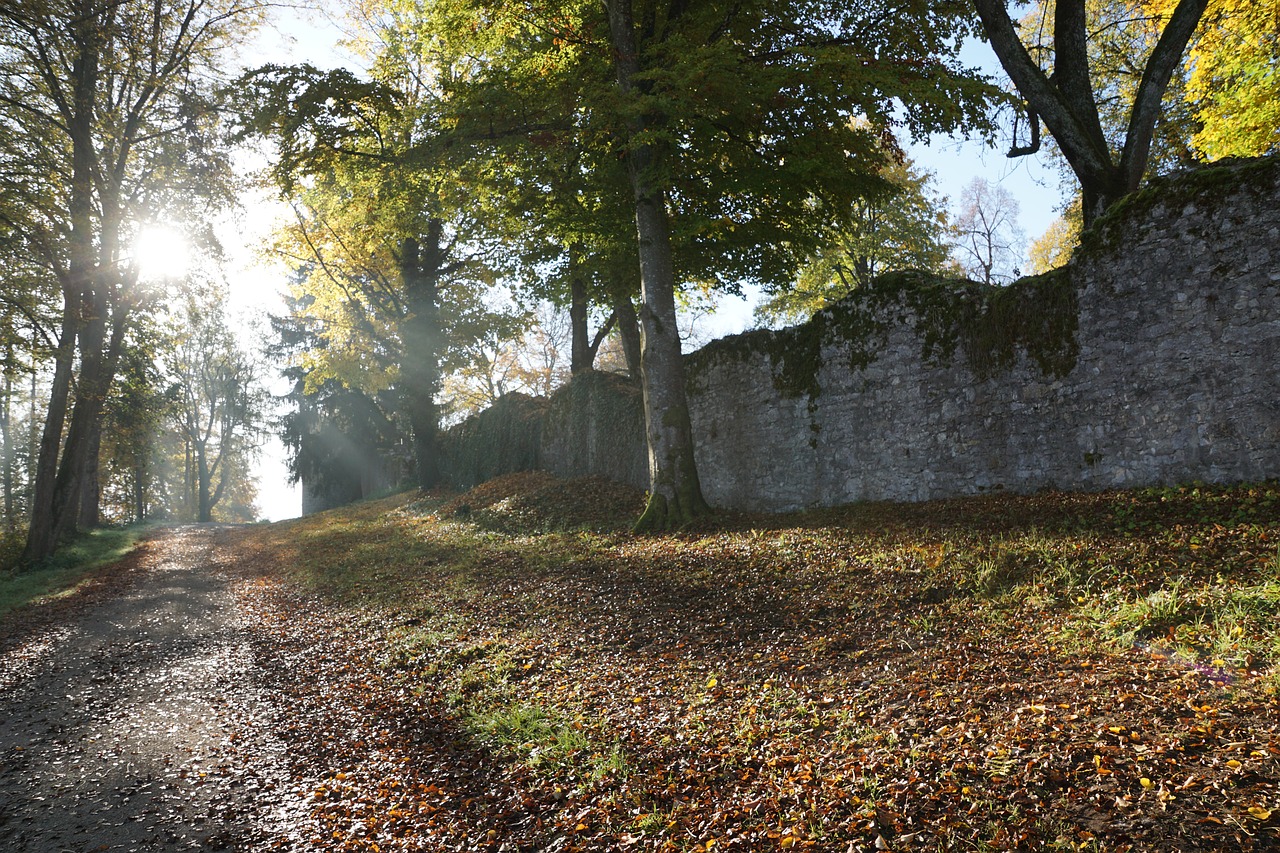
<point>675,494</point>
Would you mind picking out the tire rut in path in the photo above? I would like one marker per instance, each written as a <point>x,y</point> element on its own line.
<point>131,727</point>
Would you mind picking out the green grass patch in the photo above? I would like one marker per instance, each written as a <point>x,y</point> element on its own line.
<point>67,570</point>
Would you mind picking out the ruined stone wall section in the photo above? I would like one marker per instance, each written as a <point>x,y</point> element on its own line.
<point>594,426</point>
<point>1171,375</point>
<point>1177,378</point>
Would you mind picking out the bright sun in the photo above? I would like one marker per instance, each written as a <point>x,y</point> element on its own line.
<point>162,252</point>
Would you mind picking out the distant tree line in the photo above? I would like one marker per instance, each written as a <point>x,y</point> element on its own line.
<point>110,126</point>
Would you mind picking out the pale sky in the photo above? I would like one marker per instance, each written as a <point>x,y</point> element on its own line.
<point>256,283</point>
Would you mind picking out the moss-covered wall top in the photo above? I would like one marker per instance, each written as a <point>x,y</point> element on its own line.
<point>989,326</point>
<point>1252,181</point>
<point>1150,358</point>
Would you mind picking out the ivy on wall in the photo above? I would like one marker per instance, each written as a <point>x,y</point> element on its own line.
<point>608,408</point>
<point>503,438</point>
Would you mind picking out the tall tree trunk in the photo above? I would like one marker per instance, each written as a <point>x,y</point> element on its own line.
<point>91,390</point>
<point>675,494</point>
<point>629,333</point>
<point>139,489</point>
<point>6,436</point>
<point>584,346</point>
<point>221,466</point>
<point>188,474</point>
<point>40,533</point>
<point>90,487</point>
<point>204,509</point>
<point>99,360</point>
<point>580,355</point>
<point>87,33</point>
<point>421,265</point>
<point>33,432</point>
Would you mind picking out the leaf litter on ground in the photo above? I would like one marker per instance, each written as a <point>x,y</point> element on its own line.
<point>1055,671</point>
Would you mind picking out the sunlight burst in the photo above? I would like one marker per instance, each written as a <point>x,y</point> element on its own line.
<point>162,252</point>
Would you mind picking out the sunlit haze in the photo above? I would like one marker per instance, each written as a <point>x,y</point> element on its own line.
<point>255,285</point>
<point>162,252</point>
<point>255,281</point>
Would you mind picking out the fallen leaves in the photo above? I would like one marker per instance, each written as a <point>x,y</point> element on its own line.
<point>835,681</point>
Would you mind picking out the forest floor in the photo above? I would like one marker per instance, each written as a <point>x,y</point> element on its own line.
<point>510,670</point>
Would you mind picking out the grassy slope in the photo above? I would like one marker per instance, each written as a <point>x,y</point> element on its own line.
<point>1055,671</point>
<point>74,565</point>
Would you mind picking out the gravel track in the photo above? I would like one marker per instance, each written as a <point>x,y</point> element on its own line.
<point>139,724</point>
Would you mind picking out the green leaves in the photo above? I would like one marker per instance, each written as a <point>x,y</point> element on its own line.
<point>755,118</point>
<point>903,227</point>
<point>315,118</point>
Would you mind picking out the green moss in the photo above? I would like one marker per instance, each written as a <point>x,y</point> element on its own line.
<point>663,516</point>
<point>988,325</point>
<point>796,359</point>
<point>1037,315</point>
<point>796,353</point>
<point>1205,185</point>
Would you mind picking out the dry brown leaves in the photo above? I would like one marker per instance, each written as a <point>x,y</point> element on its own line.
<point>535,502</point>
<point>815,683</point>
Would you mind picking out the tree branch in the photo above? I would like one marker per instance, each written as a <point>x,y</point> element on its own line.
<point>1164,59</point>
<point>1087,154</point>
<point>1033,119</point>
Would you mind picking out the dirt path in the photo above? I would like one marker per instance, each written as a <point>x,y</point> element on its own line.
<point>139,724</point>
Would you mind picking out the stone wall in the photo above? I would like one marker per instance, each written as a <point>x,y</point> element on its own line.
<point>1162,367</point>
<point>591,426</point>
<point>503,438</point>
<point>594,426</point>
<point>1154,357</point>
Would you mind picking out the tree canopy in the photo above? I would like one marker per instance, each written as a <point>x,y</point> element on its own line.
<point>904,227</point>
<point>734,122</point>
<point>392,276</point>
<point>1233,78</point>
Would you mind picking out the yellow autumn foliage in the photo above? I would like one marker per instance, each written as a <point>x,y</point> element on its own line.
<point>1232,76</point>
<point>1233,79</point>
<point>1225,99</point>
